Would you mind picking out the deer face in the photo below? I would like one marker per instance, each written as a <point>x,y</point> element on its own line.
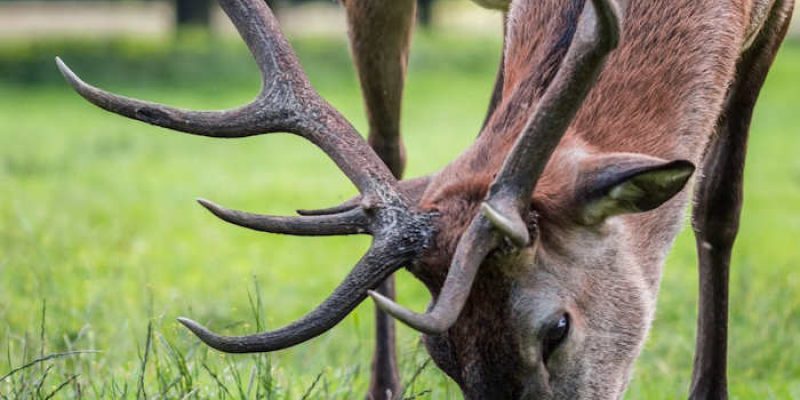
<point>577,338</point>
<point>565,316</point>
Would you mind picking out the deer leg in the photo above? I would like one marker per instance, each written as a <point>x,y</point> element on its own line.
<point>380,34</point>
<point>718,201</point>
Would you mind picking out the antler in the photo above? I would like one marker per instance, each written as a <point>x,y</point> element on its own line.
<point>379,262</point>
<point>509,195</point>
<point>288,103</point>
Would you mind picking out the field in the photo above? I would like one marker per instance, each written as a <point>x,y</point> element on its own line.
<point>102,245</point>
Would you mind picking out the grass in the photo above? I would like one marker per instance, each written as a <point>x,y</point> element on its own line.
<point>101,246</point>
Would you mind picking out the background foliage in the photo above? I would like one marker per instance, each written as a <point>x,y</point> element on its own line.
<point>97,222</point>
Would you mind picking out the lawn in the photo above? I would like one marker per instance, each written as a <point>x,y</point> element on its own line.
<point>102,245</point>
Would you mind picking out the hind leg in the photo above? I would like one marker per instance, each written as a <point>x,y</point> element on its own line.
<point>380,34</point>
<point>718,201</point>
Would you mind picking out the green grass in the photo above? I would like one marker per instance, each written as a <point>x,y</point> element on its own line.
<point>97,219</point>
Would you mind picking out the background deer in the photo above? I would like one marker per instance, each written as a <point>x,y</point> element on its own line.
<point>543,243</point>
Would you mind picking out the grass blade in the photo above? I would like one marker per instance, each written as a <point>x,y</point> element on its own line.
<point>313,385</point>
<point>61,386</point>
<point>140,391</point>
<point>48,357</point>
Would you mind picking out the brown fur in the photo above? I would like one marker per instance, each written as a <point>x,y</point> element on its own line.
<point>660,94</point>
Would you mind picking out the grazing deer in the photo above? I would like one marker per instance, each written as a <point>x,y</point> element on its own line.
<point>543,243</point>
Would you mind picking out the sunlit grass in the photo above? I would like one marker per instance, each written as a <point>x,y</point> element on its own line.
<point>97,219</point>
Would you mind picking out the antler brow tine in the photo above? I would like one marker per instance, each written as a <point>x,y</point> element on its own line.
<point>353,221</point>
<point>473,247</point>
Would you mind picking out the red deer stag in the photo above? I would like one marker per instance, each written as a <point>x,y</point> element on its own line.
<point>543,243</point>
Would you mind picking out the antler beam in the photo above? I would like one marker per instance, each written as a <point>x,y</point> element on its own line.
<point>509,195</point>
<point>597,35</point>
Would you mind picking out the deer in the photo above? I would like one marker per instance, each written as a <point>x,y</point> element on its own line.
<point>543,243</point>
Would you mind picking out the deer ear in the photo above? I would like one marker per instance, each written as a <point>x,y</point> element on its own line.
<point>627,183</point>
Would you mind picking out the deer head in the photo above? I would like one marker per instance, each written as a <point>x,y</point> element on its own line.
<point>536,286</point>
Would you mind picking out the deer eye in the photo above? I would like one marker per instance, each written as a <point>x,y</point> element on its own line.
<point>555,334</point>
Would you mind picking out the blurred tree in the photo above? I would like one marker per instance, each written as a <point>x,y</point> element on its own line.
<point>193,12</point>
<point>425,12</point>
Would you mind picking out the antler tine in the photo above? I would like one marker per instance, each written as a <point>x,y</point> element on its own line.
<point>597,34</point>
<point>379,263</point>
<point>412,189</point>
<point>260,32</point>
<point>234,123</point>
<point>287,103</point>
<point>346,206</point>
<point>473,247</point>
<point>350,222</point>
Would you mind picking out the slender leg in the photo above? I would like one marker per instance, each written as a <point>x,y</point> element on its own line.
<point>380,34</point>
<point>718,201</point>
